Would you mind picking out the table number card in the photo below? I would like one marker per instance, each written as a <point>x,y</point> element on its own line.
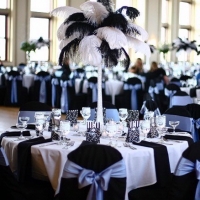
<point>133,132</point>
<point>93,132</point>
<point>72,116</point>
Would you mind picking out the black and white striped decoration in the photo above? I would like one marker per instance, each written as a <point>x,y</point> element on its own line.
<point>93,132</point>
<point>134,124</point>
<point>3,158</point>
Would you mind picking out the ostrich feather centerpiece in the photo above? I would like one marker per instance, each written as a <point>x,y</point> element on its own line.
<point>96,35</point>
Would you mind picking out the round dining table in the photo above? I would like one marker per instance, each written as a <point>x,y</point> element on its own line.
<point>48,159</point>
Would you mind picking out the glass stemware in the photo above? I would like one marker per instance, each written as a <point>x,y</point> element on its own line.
<point>145,127</point>
<point>21,126</point>
<point>64,131</point>
<point>39,126</point>
<point>57,117</point>
<point>85,112</point>
<point>174,124</point>
<point>148,115</point>
<point>123,114</point>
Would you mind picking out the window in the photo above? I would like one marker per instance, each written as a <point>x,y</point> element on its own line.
<point>40,18</point>
<point>3,40</point>
<point>164,21</point>
<point>4,13</point>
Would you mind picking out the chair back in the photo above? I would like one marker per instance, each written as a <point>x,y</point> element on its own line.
<point>111,111</point>
<point>150,105</point>
<point>181,98</point>
<point>185,183</point>
<point>179,113</point>
<point>92,159</point>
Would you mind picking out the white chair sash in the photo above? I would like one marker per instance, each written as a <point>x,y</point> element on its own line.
<point>54,83</point>
<point>3,158</point>
<point>133,88</point>
<point>195,132</point>
<point>14,97</point>
<point>186,166</point>
<point>99,181</point>
<point>64,102</point>
<point>42,96</point>
<point>93,86</point>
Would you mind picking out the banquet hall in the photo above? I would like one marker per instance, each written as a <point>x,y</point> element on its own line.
<point>99,99</point>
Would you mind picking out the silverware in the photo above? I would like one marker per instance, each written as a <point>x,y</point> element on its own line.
<point>129,145</point>
<point>44,145</point>
<point>70,144</point>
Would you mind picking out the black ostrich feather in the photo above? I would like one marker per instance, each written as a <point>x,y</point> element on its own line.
<point>76,17</point>
<point>108,4</point>
<point>110,56</point>
<point>126,62</point>
<point>69,50</point>
<point>116,20</point>
<point>82,28</point>
<point>131,12</point>
<point>132,30</point>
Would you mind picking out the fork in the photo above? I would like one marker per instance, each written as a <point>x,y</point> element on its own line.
<point>129,145</point>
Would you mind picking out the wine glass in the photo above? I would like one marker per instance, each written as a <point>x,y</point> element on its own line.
<point>65,129</point>
<point>85,112</point>
<point>148,115</point>
<point>145,127</point>
<point>39,126</point>
<point>123,114</point>
<point>174,124</point>
<point>24,119</point>
<point>56,116</point>
<point>21,126</point>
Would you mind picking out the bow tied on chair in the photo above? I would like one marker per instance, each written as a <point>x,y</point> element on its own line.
<point>186,166</point>
<point>153,90</point>
<point>54,83</point>
<point>42,95</point>
<point>93,86</point>
<point>133,88</point>
<point>14,98</point>
<point>99,181</point>
<point>64,95</point>
<point>195,132</point>
<point>170,93</point>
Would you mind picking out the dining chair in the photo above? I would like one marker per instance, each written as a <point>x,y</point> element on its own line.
<point>41,89</point>
<point>11,189</point>
<point>194,110</point>
<point>185,182</point>
<point>111,111</point>
<point>15,94</point>
<point>93,172</point>
<point>181,98</point>
<point>132,95</point>
<point>176,81</point>
<point>179,113</point>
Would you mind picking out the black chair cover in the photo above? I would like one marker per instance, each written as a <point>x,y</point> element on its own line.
<point>96,158</point>
<point>35,106</point>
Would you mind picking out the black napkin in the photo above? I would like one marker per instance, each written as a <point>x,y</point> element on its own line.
<point>14,133</point>
<point>162,166</point>
<point>29,126</point>
<point>24,169</point>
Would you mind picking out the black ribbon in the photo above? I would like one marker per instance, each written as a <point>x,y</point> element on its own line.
<point>162,165</point>
<point>14,133</point>
<point>24,167</point>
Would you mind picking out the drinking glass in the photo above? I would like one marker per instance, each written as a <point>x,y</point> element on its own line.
<point>24,119</point>
<point>148,115</point>
<point>65,129</point>
<point>123,114</point>
<point>39,126</point>
<point>145,127</point>
<point>75,127</point>
<point>57,117</point>
<point>174,124</point>
<point>21,126</point>
<point>85,112</point>
<point>160,121</point>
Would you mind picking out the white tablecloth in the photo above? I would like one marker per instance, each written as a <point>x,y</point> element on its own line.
<point>48,161</point>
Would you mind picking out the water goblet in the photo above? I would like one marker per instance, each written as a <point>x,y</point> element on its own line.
<point>56,117</point>
<point>145,128</point>
<point>75,127</point>
<point>21,126</point>
<point>65,129</point>
<point>123,114</point>
<point>174,124</point>
<point>39,126</point>
<point>24,119</point>
<point>148,115</point>
<point>85,112</point>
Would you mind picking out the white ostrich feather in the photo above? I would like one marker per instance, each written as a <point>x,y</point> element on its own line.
<point>143,33</point>
<point>64,11</point>
<point>65,41</point>
<point>61,30</point>
<point>95,12</point>
<point>115,38</point>
<point>138,45</point>
<point>88,50</point>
